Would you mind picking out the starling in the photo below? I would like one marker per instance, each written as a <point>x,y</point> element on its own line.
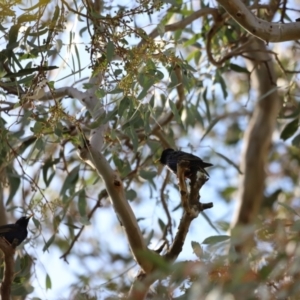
<point>171,158</point>
<point>17,231</point>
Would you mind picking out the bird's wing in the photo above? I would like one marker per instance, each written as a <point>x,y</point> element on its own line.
<point>188,156</point>
<point>6,228</point>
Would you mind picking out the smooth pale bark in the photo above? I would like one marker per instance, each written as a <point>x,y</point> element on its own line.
<point>257,140</point>
<point>262,29</point>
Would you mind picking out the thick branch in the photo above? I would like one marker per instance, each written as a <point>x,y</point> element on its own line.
<point>9,252</point>
<point>115,189</point>
<point>257,141</point>
<point>264,30</point>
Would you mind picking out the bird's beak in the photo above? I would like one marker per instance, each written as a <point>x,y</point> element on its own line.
<point>30,216</point>
<point>157,161</point>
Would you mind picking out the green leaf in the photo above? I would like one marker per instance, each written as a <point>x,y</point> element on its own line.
<point>225,226</point>
<point>28,71</point>
<point>117,90</point>
<point>48,243</point>
<point>161,224</point>
<point>197,57</point>
<point>82,203</point>
<point>70,181</point>
<point>37,127</point>
<point>78,59</point>
<point>290,209</point>
<point>219,79</point>
<point>197,249</point>
<point>39,4</point>
<point>227,192</point>
<point>238,68</point>
<point>13,37</point>
<point>175,111</point>
<point>25,80</point>
<point>161,29</point>
<point>296,141</point>
<point>124,104</point>
<point>48,282</point>
<point>19,289</point>
<point>36,223</point>
<point>48,165</point>
<point>206,102</point>
<point>25,18</point>
<point>148,175</point>
<point>71,225</point>
<point>158,262</point>
<point>290,129</point>
<point>296,225</point>
<point>110,51</point>
<point>14,183</point>
<point>205,216</point>
<point>133,135</point>
<point>85,221</point>
<point>230,162</point>
<point>210,127</point>
<point>215,239</point>
<point>131,194</point>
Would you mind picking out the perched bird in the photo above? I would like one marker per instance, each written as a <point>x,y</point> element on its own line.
<point>171,158</point>
<point>16,231</point>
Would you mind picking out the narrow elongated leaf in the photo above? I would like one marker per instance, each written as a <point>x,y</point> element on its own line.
<point>205,216</point>
<point>82,203</point>
<point>230,162</point>
<point>290,209</point>
<point>48,243</point>
<point>210,127</point>
<point>197,249</point>
<point>110,51</point>
<point>296,141</point>
<point>161,224</point>
<point>175,111</point>
<point>70,181</point>
<point>14,183</point>
<point>290,129</point>
<point>48,282</point>
<point>216,239</point>
<point>238,68</point>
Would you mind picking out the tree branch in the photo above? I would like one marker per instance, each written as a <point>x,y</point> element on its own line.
<point>257,141</point>
<point>264,30</point>
<point>9,252</point>
<point>191,205</point>
<point>185,22</point>
<point>115,189</point>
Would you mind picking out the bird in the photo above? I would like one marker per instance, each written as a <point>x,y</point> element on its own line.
<point>171,158</point>
<point>17,231</point>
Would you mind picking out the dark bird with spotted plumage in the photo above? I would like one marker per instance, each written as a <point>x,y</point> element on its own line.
<point>171,158</point>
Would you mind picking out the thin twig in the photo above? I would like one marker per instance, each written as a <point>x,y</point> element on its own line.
<point>168,227</point>
<point>102,195</point>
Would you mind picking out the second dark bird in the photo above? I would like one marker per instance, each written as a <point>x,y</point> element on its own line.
<point>17,231</point>
<point>171,158</point>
